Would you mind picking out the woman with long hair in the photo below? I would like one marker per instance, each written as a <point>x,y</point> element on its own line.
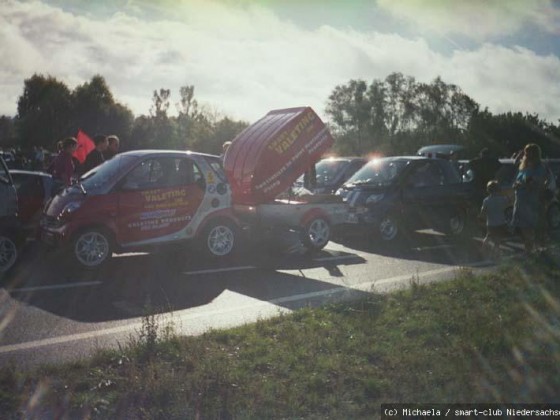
<point>528,185</point>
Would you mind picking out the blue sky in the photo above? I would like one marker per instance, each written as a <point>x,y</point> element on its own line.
<point>247,57</point>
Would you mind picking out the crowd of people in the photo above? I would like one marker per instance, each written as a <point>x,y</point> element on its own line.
<point>65,167</point>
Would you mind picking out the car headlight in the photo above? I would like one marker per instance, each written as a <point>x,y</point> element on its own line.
<point>374,198</point>
<point>70,208</point>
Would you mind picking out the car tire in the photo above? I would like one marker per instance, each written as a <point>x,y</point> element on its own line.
<point>316,234</point>
<point>389,228</point>
<point>92,248</point>
<point>8,252</point>
<point>220,239</point>
<point>553,216</point>
<point>456,223</point>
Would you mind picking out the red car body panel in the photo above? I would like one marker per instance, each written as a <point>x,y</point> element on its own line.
<point>146,216</point>
<point>269,155</point>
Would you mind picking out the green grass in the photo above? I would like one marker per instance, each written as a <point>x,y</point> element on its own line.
<point>493,338</point>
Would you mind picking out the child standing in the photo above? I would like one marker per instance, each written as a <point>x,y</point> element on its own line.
<point>494,207</point>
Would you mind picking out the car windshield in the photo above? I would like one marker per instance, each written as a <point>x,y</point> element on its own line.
<point>379,172</point>
<point>106,172</point>
<point>327,170</point>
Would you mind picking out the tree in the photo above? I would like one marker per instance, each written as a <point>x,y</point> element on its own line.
<point>7,131</point>
<point>96,111</point>
<point>160,103</point>
<point>397,115</point>
<point>44,111</point>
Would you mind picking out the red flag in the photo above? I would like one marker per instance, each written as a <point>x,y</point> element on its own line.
<point>85,145</point>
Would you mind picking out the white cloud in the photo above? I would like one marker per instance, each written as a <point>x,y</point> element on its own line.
<point>246,61</point>
<point>478,19</point>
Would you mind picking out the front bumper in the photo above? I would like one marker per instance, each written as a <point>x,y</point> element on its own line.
<point>53,232</point>
<point>360,221</point>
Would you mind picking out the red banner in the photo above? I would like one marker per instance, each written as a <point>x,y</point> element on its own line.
<point>85,145</point>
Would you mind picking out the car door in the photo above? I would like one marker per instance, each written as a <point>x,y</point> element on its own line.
<point>157,200</point>
<point>8,197</point>
<point>424,198</point>
<point>31,196</point>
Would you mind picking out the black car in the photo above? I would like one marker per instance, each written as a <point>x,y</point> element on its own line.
<point>393,194</point>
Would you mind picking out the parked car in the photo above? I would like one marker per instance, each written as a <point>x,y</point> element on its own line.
<point>144,198</point>
<point>33,190</point>
<point>140,199</point>
<point>393,194</point>
<point>10,234</point>
<point>265,160</point>
<point>331,173</point>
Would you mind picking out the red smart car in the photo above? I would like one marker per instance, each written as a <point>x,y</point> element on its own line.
<point>143,198</point>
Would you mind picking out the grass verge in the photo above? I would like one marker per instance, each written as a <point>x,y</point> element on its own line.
<point>492,338</point>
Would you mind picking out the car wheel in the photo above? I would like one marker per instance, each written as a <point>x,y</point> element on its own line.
<point>316,234</point>
<point>92,248</point>
<point>553,216</point>
<point>456,223</point>
<point>388,228</point>
<point>220,239</point>
<point>8,253</point>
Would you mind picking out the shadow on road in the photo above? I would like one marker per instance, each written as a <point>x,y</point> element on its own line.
<point>133,285</point>
<point>429,246</point>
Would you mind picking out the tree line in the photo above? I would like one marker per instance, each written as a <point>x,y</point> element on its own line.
<point>398,115</point>
<point>394,116</point>
<point>48,111</point>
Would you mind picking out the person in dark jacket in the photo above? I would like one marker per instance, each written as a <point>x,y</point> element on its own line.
<point>62,168</point>
<point>484,169</point>
<point>95,157</point>
<point>112,148</point>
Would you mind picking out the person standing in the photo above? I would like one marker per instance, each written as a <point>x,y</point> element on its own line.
<point>95,157</point>
<point>528,186</point>
<point>112,147</point>
<point>494,209</point>
<point>484,169</point>
<point>62,168</point>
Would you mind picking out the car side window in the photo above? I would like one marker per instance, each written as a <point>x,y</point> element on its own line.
<point>28,186</point>
<point>187,173</point>
<point>451,172</point>
<point>163,172</point>
<point>427,174</point>
<point>147,175</point>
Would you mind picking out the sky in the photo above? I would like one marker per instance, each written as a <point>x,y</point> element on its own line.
<point>246,57</point>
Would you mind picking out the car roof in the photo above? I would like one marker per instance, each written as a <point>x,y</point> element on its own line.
<point>441,148</point>
<point>411,157</point>
<point>32,173</point>
<point>345,158</point>
<point>159,152</point>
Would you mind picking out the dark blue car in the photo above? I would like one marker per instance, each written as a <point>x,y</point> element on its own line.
<point>390,195</point>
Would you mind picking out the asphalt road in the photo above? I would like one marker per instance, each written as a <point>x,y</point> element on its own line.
<point>52,312</point>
